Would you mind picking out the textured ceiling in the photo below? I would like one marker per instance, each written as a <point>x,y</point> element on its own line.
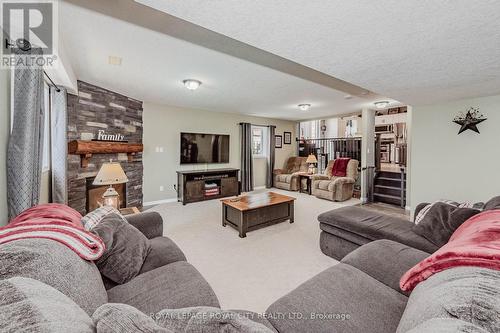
<point>155,64</point>
<point>416,51</point>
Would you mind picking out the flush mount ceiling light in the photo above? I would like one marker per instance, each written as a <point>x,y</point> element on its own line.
<point>191,84</point>
<point>381,104</point>
<point>304,107</point>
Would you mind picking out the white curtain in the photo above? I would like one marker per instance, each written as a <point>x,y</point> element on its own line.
<point>58,124</point>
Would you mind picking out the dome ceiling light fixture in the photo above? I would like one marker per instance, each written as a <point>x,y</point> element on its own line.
<point>381,104</point>
<point>191,84</point>
<point>304,107</point>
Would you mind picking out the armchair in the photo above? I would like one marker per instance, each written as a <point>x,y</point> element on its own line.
<point>334,188</point>
<point>287,178</point>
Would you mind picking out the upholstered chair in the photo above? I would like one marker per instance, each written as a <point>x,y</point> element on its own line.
<point>333,188</point>
<point>288,177</point>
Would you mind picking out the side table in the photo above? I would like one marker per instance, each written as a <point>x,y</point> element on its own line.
<point>308,178</point>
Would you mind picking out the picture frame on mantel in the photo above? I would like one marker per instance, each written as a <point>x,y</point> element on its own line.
<point>287,138</point>
<point>278,143</point>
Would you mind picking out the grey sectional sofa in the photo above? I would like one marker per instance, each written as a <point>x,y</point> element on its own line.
<point>360,294</point>
<point>345,229</point>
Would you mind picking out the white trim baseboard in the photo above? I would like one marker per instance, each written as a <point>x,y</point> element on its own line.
<point>259,188</point>
<point>159,202</point>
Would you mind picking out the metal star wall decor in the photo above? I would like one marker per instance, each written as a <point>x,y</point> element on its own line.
<point>470,120</point>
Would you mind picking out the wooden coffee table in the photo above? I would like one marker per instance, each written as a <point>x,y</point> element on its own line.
<point>254,211</point>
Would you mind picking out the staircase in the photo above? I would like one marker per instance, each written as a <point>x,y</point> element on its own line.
<point>388,188</point>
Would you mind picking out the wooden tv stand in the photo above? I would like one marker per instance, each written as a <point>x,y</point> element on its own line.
<point>191,184</point>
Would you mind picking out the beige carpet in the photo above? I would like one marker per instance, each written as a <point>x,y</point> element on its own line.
<point>250,273</point>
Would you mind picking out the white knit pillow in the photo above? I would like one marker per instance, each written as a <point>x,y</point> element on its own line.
<point>90,220</point>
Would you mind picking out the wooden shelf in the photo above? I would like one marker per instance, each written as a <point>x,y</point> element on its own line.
<point>87,148</point>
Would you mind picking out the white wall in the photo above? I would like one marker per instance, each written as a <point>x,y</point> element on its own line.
<point>162,127</point>
<point>4,137</point>
<point>458,167</point>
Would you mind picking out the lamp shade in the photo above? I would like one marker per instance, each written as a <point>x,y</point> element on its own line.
<point>109,174</point>
<point>311,159</point>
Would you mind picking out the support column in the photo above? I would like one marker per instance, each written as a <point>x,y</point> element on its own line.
<point>367,151</point>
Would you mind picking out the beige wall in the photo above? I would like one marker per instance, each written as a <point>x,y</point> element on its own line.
<point>458,167</point>
<point>162,126</point>
<point>4,136</point>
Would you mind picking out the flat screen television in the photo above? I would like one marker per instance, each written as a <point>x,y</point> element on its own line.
<point>204,148</point>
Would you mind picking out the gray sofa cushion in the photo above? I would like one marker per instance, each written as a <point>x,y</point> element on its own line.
<point>335,246</point>
<point>115,317</point>
<point>257,317</point>
<point>469,294</point>
<point>56,265</point>
<point>493,203</point>
<point>177,285</point>
<point>122,318</point>
<point>385,260</point>
<point>149,223</point>
<point>28,305</point>
<point>373,225</point>
<point>163,252</point>
<point>207,320</point>
<point>446,325</point>
<point>339,299</point>
<point>126,249</point>
<point>441,220</point>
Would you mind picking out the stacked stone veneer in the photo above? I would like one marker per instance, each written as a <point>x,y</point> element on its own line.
<point>95,109</point>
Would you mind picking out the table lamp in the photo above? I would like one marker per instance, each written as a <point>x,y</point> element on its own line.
<point>111,173</point>
<point>311,160</point>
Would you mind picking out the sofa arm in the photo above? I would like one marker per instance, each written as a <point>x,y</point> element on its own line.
<point>149,223</point>
<point>278,171</point>
<point>320,177</point>
<point>385,261</point>
<point>338,182</point>
<point>419,207</point>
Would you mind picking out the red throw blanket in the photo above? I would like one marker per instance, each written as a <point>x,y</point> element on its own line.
<point>339,168</point>
<point>475,243</point>
<point>57,222</point>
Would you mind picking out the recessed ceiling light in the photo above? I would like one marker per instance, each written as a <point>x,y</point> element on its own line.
<point>191,84</point>
<point>381,104</point>
<point>348,96</point>
<point>116,61</point>
<point>304,107</point>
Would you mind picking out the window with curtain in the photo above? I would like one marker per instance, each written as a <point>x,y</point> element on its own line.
<point>259,141</point>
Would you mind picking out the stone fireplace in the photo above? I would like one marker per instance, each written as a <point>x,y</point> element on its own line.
<point>96,113</point>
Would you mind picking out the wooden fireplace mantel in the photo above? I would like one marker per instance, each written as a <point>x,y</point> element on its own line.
<point>87,148</point>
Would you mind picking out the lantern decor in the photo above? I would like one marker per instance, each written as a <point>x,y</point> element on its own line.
<point>111,174</point>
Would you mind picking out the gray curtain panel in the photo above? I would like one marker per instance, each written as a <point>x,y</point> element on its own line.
<point>271,157</point>
<point>58,139</point>
<point>24,156</point>
<point>246,158</point>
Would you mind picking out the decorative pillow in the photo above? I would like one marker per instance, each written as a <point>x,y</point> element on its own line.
<point>90,220</point>
<point>126,249</point>
<point>420,216</point>
<point>441,220</point>
<point>28,305</point>
<point>122,318</point>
